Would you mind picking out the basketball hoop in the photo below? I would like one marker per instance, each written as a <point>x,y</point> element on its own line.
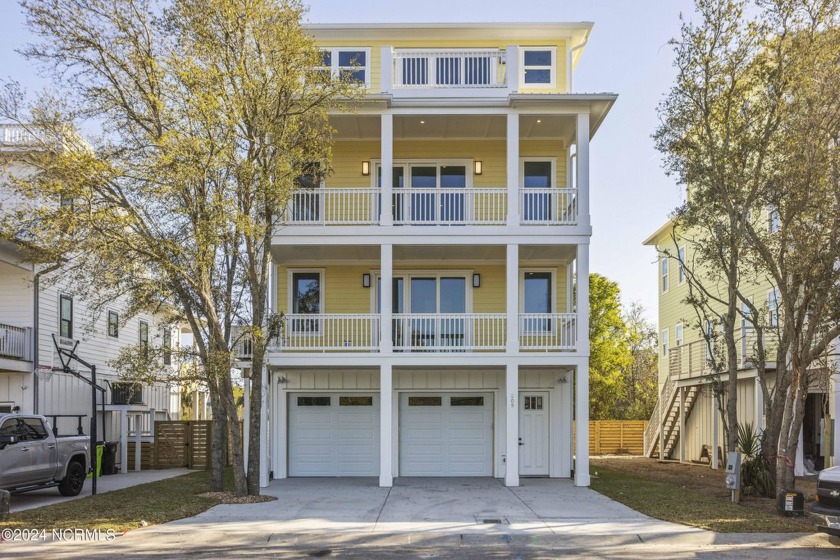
<point>44,373</point>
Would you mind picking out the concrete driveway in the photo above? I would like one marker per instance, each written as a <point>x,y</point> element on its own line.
<point>469,518</point>
<point>432,505</point>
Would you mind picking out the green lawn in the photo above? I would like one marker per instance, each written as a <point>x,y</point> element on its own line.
<point>155,502</point>
<point>697,508</point>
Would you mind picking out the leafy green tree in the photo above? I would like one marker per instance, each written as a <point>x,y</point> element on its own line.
<point>609,354</point>
<point>204,112</point>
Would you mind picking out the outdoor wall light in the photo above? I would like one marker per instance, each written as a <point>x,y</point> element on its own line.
<point>365,168</point>
<point>476,280</point>
<point>365,280</point>
<point>479,167</point>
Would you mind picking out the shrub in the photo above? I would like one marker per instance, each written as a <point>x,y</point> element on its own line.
<point>757,477</point>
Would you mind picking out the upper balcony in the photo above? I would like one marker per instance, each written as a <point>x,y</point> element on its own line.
<point>454,60</point>
<point>694,360</point>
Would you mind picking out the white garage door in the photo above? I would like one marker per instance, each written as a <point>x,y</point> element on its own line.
<point>333,434</point>
<point>448,434</point>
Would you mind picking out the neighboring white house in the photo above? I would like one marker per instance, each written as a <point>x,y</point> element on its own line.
<point>33,308</point>
<point>477,364</point>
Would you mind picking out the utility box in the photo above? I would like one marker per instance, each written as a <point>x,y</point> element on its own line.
<point>790,503</point>
<point>733,470</point>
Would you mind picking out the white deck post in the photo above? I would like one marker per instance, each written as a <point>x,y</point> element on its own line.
<point>138,431</point>
<point>513,168</point>
<point>512,63</point>
<point>386,214</point>
<point>682,424</point>
<point>123,441</point>
<point>512,298</point>
<point>759,406</point>
<point>386,406</point>
<point>246,420</point>
<point>512,425</point>
<point>582,160</point>
<point>582,372</point>
<point>715,436</point>
<point>835,417</point>
<point>386,288</point>
<point>265,446</point>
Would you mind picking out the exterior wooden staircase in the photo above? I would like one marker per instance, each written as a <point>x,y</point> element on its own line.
<point>669,402</point>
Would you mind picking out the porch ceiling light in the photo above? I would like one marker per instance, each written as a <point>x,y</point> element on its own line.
<point>366,280</point>
<point>479,167</point>
<point>365,168</point>
<point>476,280</point>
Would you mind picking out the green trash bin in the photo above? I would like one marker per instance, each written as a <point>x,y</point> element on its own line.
<point>100,448</point>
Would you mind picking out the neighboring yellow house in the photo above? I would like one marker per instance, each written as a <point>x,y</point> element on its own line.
<point>684,368</point>
<point>473,137</point>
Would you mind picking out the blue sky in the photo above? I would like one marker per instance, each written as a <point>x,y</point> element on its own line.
<point>627,54</point>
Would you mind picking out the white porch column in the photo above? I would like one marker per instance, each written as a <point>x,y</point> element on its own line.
<point>759,406</point>
<point>123,441</point>
<point>512,63</point>
<point>386,213</point>
<point>512,298</point>
<point>512,425</point>
<point>279,430</point>
<point>799,464</point>
<point>582,373</point>
<point>835,417</point>
<point>513,168</point>
<point>582,160</point>
<point>138,442</point>
<point>715,437</point>
<point>246,420</point>
<point>265,445</point>
<point>386,407</point>
<point>386,281</point>
<point>682,424</point>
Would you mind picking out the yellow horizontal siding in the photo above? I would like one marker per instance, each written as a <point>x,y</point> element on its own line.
<point>348,157</point>
<point>343,291</point>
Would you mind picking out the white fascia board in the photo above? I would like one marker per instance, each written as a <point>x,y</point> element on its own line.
<point>407,360</point>
<point>375,235</point>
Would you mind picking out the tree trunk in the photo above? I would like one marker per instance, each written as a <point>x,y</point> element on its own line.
<point>218,448</point>
<point>255,422</point>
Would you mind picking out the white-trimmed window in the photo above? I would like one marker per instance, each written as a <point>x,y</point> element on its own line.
<point>306,297</point>
<point>538,67</point>
<point>772,218</point>
<point>663,341</point>
<point>663,271</point>
<point>773,308</point>
<point>682,264</point>
<point>144,335</point>
<point>678,335</point>
<point>113,324</point>
<point>352,62</point>
<point>65,316</point>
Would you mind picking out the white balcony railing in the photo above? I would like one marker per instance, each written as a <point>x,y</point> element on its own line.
<point>449,332</point>
<point>328,333</point>
<point>334,206</point>
<point>451,68</point>
<point>548,206</point>
<point>484,206</point>
<point>16,135</point>
<point>15,342</point>
<point>548,331</point>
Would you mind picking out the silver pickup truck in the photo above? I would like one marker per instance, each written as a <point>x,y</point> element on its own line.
<point>32,457</point>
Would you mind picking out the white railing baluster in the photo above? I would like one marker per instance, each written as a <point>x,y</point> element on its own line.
<point>456,68</point>
<point>547,331</point>
<point>548,206</point>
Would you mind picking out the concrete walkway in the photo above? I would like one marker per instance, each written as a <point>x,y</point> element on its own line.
<point>50,496</point>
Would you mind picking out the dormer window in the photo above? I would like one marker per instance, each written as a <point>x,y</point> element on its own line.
<point>538,67</point>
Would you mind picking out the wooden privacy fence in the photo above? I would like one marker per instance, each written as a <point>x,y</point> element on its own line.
<point>615,437</point>
<point>181,443</point>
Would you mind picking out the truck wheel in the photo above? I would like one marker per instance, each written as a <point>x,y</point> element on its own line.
<point>73,481</point>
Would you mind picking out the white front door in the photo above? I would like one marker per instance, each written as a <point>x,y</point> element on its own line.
<point>533,434</point>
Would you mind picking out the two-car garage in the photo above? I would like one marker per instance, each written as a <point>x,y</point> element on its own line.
<point>440,434</point>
